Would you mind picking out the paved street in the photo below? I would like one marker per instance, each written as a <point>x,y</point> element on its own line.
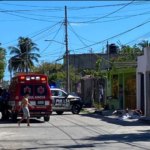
<point>85,132</point>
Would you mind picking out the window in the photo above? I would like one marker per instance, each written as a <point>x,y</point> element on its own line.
<point>62,93</point>
<point>58,93</point>
<point>54,93</point>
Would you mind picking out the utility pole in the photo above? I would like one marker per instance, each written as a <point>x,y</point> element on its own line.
<point>108,55</point>
<point>67,52</point>
<point>27,59</point>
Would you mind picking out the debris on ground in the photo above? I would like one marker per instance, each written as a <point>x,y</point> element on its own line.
<point>127,114</point>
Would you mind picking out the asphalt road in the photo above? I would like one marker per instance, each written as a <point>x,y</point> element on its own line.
<point>75,132</point>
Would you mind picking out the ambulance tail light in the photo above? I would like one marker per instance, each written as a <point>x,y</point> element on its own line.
<point>22,77</point>
<point>43,79</point>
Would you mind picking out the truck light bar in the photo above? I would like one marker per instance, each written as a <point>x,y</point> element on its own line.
<point>22,77</point>
<point>37,78</point>
<point>28,78</point>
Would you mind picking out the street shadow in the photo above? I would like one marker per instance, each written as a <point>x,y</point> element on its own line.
<point>15,122</point>
<point>115,121</point>
<point>124,138</point>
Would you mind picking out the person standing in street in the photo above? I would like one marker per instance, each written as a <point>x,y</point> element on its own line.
<point>121,96</point>
<point>24,106</point>
<point>4,98</point>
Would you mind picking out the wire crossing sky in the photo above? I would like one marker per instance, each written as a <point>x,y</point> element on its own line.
<point>90,25</point>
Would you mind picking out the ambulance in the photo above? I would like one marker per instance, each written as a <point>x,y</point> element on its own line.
<point>40,95</point>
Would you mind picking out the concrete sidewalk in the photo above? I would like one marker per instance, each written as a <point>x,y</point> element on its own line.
<point>106,113</point>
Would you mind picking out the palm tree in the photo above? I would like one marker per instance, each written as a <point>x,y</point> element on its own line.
<point>144,44</point>
<point>24,49</point>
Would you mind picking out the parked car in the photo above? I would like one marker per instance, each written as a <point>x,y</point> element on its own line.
<point>63,101</point>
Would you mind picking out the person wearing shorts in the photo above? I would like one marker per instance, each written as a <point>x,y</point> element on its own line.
<point>24,106</point>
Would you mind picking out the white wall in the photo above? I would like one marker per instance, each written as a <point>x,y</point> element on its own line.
<point>143,66</point>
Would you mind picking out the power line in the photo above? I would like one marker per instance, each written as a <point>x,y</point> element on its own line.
<point>110,5</point>
<point>52,39</point>
<point>115,35</point>
<point>38,32</point>
<point>125,17</point>
<point>74,8</point>
<point>145,35</point>
<point>29,5</point>
<point>27,17</point>
<point>107,14</point>
<point>77,35</point>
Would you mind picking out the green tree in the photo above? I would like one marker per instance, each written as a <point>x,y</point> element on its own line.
<point>2,61</point>
<point>45,67</point>
<point>144,44</point>
<point>74,77</point>
<point>129,53</point>
<point>24,49</point>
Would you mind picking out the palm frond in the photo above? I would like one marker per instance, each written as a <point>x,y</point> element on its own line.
<point>14,50</point>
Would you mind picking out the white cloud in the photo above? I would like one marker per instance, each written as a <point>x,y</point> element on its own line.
<point>142,39</point>
<point>78,24</point>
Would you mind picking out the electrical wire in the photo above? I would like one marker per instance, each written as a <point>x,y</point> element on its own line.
<point>75,8</point>
<point>145,35</point>
<point>111,5</point>
<point>38,32</point>
<point>28,5</point>
<point>28,17</point>
<point>107,14</point>
<point>77,35</point>
<point>116,35</point>
<point>52,39</point>
<point>125,17</point>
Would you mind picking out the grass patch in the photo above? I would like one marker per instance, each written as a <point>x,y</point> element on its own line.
<point>85,112</point>
<point>98,106</point>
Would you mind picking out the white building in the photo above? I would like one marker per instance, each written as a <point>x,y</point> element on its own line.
<point>143,82</point>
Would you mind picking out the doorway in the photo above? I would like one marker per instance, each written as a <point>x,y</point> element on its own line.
<point>130,92</point>
<point>142,93</point>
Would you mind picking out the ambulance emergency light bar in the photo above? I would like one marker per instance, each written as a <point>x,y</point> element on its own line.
<point>28,78</point>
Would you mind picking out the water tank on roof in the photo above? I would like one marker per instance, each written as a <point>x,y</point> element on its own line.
<point>112,49</point>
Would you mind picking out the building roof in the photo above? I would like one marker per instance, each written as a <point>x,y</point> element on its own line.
<point>125,64</point>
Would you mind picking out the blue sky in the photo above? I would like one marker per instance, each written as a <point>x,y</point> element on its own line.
<point>26,23</point>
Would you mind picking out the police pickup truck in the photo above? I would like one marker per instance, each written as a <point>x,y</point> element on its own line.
<point>65,102</point>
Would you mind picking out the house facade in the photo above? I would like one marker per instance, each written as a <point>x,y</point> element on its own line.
<point>143,82</point>
<point>124,73</point>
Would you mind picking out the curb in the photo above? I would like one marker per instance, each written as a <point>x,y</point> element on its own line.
<point>145,120</point>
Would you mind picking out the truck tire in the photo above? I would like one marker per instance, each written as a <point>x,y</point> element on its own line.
<point>38,117</point>
<point>7,115</point>
<point>46,119</point>
<point>59,112</point>
<point>14,117</point>
<point>76,109</point>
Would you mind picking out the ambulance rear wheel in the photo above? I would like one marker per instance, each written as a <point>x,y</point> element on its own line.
<point>59,112</point>
<point>46,119</point>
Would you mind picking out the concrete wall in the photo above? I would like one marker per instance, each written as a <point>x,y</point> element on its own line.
<point>144,68</point>
<point>87,61</point>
